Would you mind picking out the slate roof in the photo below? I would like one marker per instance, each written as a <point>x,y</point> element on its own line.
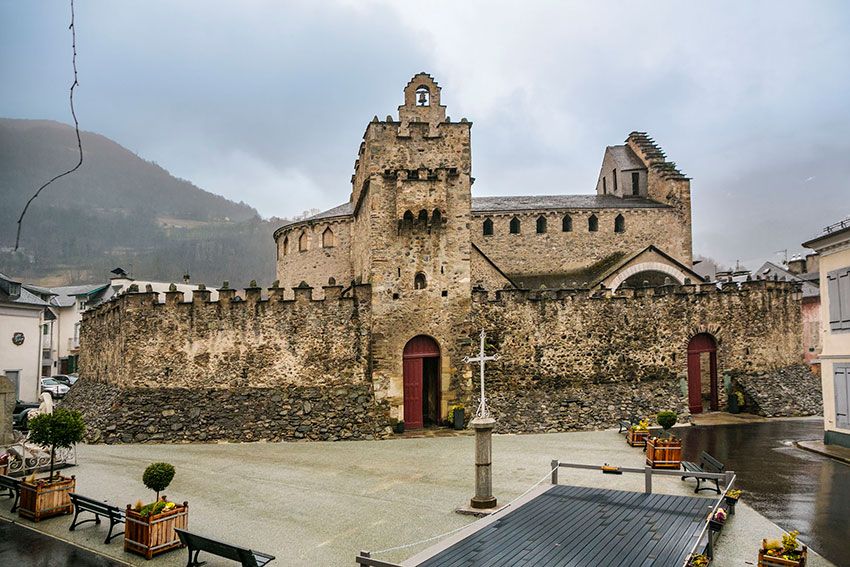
<point>584,527</point>
<point>625,158</point>
<point>560,202</point>
<point>66,295</point>
<point>811,288</point>
<point>26,297</point>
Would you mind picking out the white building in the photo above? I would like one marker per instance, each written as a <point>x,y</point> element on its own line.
<point>22,320</point>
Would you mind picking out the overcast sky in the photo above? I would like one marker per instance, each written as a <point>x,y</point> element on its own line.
<point>266,102</point>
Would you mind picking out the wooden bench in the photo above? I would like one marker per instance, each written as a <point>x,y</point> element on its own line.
<point>84,504</point>
<point>626,423</point>
<point>708,464</point>
<point>13,486</point>
<point>196,544</point>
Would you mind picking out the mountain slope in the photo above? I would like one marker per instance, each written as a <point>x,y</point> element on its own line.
<point>117,209</point>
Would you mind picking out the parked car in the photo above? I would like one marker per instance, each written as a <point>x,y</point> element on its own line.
<point>53,387</point>
<point>67,379</point>
<point>19,416</point>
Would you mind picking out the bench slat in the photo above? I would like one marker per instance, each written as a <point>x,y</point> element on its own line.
<point>197,543</point>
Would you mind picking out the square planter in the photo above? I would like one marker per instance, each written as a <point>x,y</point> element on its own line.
<point>664,453</point>
<point>730,504</point>
<point>768,561</point>
<point>457,418</point>
<point>152,535</point>
<point>46,500</point>
<point>637,438</point>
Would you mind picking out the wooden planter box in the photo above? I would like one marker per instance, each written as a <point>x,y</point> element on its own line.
<point>154,534</point>
<point>664,453</point>
<point>637,438</point>
<point>42,500</point>
<point>730,503</point>
<point>768,561</point>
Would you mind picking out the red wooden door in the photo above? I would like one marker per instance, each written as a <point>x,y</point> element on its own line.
<point>694,383</point>
<point>413,393</point>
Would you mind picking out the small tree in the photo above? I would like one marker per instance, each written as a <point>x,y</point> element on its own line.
<point>61,429</point>
<point>158,476</point>
<point>666,419</point>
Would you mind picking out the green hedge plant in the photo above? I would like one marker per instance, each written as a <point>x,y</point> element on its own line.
<point>158,476</point>
<point>666,419</point>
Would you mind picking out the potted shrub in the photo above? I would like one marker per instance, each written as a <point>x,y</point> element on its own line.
<point>456,414</point>
<point>45,498</point>
<point>638,434</point>
<point>149,528</point>
<point>397,425</point>
<point>664,452</point>
<point>666,419</point>
<point>731,498</point>
<point>787,553</point>
<point>717,520</point>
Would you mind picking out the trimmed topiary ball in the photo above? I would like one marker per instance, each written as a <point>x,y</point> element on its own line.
<point>158,476</point>
<point>666,419</point>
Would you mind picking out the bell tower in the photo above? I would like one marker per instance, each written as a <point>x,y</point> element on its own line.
<point>411,194</point>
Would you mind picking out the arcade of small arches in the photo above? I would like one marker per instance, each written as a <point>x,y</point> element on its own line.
<point>436,217</point>
<point>515,225</point>
<point>328,240</point>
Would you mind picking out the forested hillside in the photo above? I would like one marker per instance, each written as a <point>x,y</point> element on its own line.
<point>118,210</point>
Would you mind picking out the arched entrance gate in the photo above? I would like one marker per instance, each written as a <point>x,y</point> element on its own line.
<point>702,360</point>
<point>421,382</point>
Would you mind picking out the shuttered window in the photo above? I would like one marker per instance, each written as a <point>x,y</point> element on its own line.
<point>838,292</point>
<point>842,396</point>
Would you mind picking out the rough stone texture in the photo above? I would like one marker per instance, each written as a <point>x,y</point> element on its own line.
<point>792,391</point>
<point>7,408</point>
<point>177,415</point>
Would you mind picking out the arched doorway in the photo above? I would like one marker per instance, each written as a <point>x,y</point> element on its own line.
<point>421,382</point>
<point>702,372</point>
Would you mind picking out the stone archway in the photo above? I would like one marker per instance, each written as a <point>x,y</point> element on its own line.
<point>421,370</point>
<point>671,271</point>
<point>702,351</point>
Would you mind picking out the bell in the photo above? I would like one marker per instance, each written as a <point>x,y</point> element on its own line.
<point>423,99</point>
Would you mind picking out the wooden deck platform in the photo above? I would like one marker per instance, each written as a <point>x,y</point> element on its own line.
<point>576,526</point>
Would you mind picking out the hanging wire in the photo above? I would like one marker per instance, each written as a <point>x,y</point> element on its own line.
<point>76,129</point>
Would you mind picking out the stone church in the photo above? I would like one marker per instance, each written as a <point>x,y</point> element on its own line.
<point>378,300</point>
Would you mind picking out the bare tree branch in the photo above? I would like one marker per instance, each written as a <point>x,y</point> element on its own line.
<point>76,128</point>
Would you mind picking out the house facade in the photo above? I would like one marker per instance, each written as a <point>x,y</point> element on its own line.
<point>22,320</point>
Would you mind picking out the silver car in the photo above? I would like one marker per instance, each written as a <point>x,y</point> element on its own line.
<point>53,387</point>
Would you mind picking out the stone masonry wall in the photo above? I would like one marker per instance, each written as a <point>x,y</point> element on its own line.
<point>318,263</point>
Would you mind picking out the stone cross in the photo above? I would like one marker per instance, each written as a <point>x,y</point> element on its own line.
<point>482,410</point>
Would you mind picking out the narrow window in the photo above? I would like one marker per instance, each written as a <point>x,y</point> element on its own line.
<point>541,225</point>
<point>285,245</point>
<point>614,175</point>
<point>436,216</point>
<point>423,216</point>
<point>331,281</point>
<point>303,242</point>
<point>592,223</point>
<point>635,183</point>
<point>488,227</point>
<point>419,282</point>
<point>408,216</point>
<point>619,224</point>
<point>328,238</point>
<point>567,224</point>
<point>604,186</point>
<point>514,225</point>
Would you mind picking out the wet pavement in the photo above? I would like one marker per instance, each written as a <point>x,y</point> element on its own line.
<point>23,547</point>
<point>796,489</point>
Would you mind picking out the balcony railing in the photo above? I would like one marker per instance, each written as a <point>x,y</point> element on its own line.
<point>73,343</point>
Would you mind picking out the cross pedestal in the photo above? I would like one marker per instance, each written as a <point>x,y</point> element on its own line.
<point>483,498</point>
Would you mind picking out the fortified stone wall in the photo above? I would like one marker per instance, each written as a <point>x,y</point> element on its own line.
<point>572,360</point>
<point>137,341</point>
<point>562,252</point>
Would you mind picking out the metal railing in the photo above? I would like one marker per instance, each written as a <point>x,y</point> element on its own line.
<point>837,226</point>
<point>26,458</point>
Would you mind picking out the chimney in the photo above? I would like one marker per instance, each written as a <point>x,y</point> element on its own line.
<point>797,265</point>
<point>812,262</point>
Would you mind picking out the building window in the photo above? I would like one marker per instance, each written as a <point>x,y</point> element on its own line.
<point>838,295</point>
<point>541,225</point>
<point>567,224</point>
<point>515,226</point>
<point>44,329</point>
<point>619,224</point>
<point>635,183</point>
<point>408,216</point>
<point>419,281</point>
<point>488,227</point>
<point>592,223</point>
<point>423,216</point>
<point>604,186</point>
<point>614,175</point>
<point>303,242</point>
<point>436,216</point>
<point>285,245</point>
<point>328,238</point>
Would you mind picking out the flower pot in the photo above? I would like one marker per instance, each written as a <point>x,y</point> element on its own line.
<point>457,418</point>
<point>766,560</point>
<point>154,534</point>
<point>637,438</point>
<point>664,453</point>
<point>44,499</point>
<point>399,427</point>
<point>732,404</point>
<point>730,503</point>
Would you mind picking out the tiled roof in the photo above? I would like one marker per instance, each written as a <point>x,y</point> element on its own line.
<point>560,202</point>
<point>66,295</point>
<point>343,210</point>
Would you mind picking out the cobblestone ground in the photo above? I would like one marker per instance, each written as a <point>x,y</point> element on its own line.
<point>318,503</point>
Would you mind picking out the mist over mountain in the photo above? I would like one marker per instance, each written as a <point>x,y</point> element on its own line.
<point>118,210</point>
